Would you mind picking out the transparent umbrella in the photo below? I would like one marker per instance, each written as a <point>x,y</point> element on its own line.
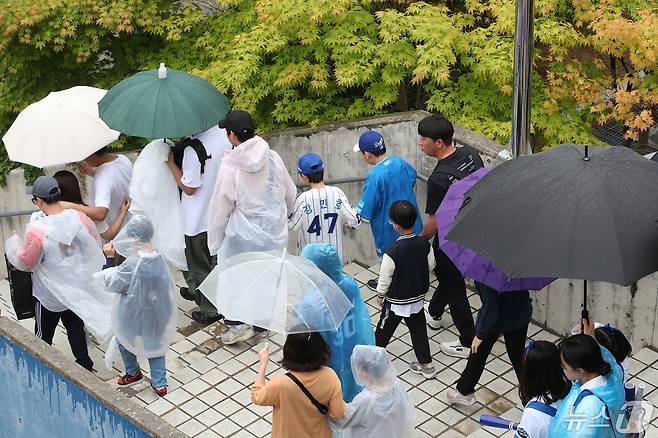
<point>276,291</point>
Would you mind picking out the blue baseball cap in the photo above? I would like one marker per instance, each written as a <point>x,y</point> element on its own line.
<point>370,141</point>
<point>310,163</point>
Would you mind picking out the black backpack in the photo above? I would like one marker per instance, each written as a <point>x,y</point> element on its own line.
<point>20,288</point>
<point>179,149</point>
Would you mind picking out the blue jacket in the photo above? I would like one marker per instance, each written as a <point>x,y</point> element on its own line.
<point>587,416</point>
<point>356,328</point>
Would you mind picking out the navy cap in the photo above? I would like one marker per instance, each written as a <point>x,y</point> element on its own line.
<point>44,187</point>
<point>370,141</point>
<point>310,163</point>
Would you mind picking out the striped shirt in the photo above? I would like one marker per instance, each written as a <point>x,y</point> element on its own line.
<point>319,215</point>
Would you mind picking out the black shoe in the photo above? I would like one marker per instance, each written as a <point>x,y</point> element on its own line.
<point>372,284</point>
<point>202,318</point>
<point>185,293</point>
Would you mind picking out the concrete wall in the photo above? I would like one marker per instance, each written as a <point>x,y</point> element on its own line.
<point>47,395</point>
<point>633,309</point>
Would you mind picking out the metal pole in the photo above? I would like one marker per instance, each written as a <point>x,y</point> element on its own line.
<point>524,37</point>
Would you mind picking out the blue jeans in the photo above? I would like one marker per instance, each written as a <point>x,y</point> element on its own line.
<point>157,364</point>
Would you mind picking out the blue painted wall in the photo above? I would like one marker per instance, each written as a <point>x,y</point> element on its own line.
<point>35,401</point>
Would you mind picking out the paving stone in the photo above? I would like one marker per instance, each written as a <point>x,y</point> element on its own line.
<point>176,417</point>
<point>225,428</point>
<point>192,427</point>
<point>160,406</point>
<point>194,407</point>
<point>209,417</point>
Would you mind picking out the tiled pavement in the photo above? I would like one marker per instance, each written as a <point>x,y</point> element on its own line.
<point>209,383</point>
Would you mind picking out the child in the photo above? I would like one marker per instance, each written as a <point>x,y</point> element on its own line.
<point>541,388</point>
<point>144,317</point>
<point>383,409</point>
<point>319,213</point>
<point>403,283</point>
<point>617,344</point>
<point>355,329</point>
<point>597,393</point>
<point>390,179</point>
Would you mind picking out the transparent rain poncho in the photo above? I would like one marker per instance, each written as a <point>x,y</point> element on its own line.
<point>145,315</point>
<point>382,409</point>
<point>276,291</point>
<point>154,193</point>
<point>63,253</point>
<point>249,208</point>
<point>355,329</point>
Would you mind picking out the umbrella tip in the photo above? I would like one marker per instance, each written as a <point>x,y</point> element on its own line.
<point>162,71</point>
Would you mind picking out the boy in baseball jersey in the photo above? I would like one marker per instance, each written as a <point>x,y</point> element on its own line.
<point>319,213</point>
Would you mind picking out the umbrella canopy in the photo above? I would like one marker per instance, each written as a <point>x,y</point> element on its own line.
<point>279,292</point>
<point>163,103</point>
<point>61,128</point>
<point>470,263</point>
<point>566,213</point>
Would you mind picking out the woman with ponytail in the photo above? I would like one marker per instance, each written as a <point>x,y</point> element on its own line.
<point>593,405</point>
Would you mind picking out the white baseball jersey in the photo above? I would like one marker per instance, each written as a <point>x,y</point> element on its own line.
<point>319,215</point>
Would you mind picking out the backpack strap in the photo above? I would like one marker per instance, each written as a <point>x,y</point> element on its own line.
<point>585,393</point>
<point>201,152</point>
<point>542,407</point>
<point>322,408</point>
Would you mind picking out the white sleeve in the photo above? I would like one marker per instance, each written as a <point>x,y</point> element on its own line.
<point>295,218</point>
<point>347,211</point>
<point>385,275</point>
<point>102,192</point>
<point>534,424</point>
<point>191,169</point>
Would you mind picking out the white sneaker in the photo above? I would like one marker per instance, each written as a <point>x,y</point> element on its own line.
<point>455,397</point>
<point>434,323</point>
<point>237,333</point>
<point>259,336</point>
<point>455,349</point>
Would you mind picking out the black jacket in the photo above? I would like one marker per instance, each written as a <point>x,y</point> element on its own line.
<point>502,312</point>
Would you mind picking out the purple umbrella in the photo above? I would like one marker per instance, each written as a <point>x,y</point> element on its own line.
<point>471,264</point>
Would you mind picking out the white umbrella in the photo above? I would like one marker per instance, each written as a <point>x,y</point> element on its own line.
<point>279,292</point>
<point>63,127</point>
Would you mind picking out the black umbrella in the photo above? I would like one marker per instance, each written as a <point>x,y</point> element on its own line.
<point>568,212</point>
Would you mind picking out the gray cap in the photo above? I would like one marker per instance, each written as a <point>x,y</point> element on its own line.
<point>45,187</point>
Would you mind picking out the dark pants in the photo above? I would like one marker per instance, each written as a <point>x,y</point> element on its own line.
<point>199,265</point>
<point>514,343</point>
<point>46,323</point>
<point>451,291</point>
<point>389,321</point>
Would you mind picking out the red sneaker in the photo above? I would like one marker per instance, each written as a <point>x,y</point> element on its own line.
<point>161,391</point>
<point>128,379</point>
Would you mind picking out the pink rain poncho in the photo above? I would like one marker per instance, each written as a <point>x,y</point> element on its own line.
<point>63,252</point>
<point>249,207</point>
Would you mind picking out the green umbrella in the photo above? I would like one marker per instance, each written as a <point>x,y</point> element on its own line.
<point>163,103</point>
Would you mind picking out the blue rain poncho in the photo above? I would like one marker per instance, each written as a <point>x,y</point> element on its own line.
<point>356,328</point>
<point>588,417</point>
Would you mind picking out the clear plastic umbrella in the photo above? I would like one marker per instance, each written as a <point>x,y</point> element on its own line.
<point>276,291</point>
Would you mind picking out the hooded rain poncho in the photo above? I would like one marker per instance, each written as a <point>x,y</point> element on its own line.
<point>154,193</point>
<point>63,252</point>
<point>249,207</point>
<point>145,315</point>
<point>587,421</point>
<point>382,409</point>
<point>355,329</point>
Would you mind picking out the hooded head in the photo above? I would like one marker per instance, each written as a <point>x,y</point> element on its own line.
<point>372,368</point>
<point>325,257</point>
<point>134,236</point>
